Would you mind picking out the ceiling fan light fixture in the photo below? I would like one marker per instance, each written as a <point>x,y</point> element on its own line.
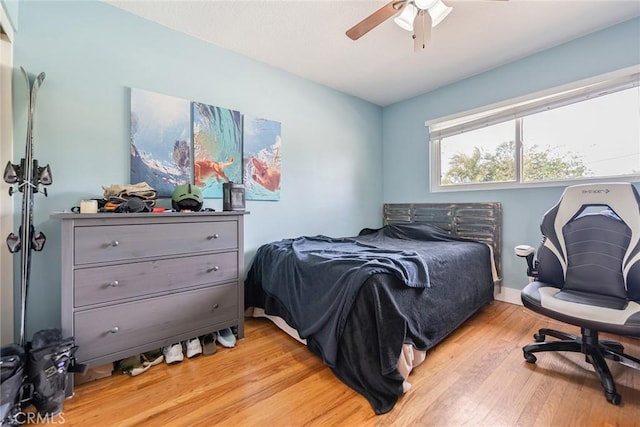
<point>425,4</point>
<point>405,18</point>
<point>438,12</point>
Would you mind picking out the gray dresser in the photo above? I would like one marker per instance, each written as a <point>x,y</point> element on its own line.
<point>136,282</point>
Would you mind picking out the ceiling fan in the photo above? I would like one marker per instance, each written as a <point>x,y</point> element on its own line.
<point>418,16</point>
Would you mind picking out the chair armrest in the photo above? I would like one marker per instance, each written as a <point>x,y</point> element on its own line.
<point>528,252</point>
<point>524,250</point>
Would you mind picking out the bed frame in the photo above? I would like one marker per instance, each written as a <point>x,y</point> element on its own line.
<point>478,221</point>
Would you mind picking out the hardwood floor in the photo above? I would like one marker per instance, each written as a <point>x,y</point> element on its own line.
<point>476,377</point>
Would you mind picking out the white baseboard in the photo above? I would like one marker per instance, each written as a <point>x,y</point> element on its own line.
<point>509,295</point>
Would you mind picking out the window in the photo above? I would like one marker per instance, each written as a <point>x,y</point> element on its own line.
<point>589,132</point>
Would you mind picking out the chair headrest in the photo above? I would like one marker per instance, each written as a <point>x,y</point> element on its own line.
<point>621,197</point>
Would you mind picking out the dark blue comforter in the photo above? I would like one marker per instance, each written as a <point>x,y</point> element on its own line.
<point>323,276</point>
<point>314,283</point>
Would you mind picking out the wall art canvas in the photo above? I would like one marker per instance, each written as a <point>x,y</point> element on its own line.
<point>261,158</point>
<point>161,152</point>
<point>217,148</point>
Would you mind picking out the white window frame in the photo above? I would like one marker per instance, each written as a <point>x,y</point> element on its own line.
<point>521,107</point>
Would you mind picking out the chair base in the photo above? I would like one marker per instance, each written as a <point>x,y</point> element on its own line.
<point>595,352</point>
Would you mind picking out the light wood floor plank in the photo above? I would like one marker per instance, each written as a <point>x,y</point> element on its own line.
<point>476,377</point>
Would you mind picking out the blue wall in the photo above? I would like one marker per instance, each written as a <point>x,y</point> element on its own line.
<point>342,157</point>
<point>92,53</point>
<point>406,139</point>
<point>11,8</point>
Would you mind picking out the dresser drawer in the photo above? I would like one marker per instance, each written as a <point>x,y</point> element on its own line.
<point>95,244</point>
<point>96,285</point>
<point>102,331</point>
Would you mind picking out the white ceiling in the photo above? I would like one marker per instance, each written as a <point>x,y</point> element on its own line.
<point>307,38</point>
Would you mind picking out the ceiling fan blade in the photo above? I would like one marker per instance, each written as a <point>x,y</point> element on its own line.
<point>375,19</point>
<point>421,30</point>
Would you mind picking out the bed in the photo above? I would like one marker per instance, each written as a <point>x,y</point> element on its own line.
<point>373,304</point>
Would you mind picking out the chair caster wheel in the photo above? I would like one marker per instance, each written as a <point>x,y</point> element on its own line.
<point>613,398</point>
<point>538,337</point>
<point>530,358</point>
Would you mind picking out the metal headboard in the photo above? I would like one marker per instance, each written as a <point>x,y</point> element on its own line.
<point>478,221</point>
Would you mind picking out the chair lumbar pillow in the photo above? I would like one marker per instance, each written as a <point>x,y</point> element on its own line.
<point>587,274</point>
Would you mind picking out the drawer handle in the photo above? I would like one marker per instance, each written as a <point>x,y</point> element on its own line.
<point>115,243</point>
<point>114,284</point>
<point>214,268</point>
<point>213,236</point>
<point>216,306</point>
<point>114,330</point>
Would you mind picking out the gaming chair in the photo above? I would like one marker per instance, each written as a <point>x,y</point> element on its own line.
<point>587,274</point>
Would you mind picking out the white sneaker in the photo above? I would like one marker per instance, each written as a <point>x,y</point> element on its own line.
<point>173,354</point>
<point>193,346</point>
<point>225,338</point>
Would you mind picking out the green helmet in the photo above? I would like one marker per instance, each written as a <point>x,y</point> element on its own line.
<point>187,197</point>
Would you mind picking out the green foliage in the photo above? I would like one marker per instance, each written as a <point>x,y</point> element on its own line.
<point>498,166</point>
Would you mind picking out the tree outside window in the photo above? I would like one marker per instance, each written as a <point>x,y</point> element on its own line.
<point>595,136</point>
